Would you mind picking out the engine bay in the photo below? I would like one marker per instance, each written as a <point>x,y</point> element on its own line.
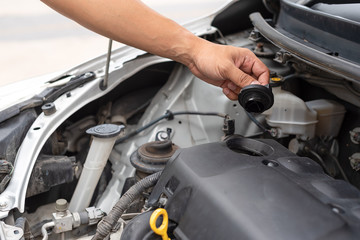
<point>161,148</point>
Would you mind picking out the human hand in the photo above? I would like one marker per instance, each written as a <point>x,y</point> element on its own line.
<point>228,67</point>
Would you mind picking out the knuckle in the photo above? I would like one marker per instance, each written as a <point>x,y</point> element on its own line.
<point>243,78</point>
<point>224,70</point>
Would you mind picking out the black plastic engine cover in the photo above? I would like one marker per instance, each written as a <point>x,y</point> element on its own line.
<point>255,189</point>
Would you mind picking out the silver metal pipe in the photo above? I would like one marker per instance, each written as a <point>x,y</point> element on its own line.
<point>44,229</point>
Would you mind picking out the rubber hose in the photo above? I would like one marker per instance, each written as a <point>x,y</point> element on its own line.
<point>169,116</point>
<point>108,222</point>
<point>258,124</point>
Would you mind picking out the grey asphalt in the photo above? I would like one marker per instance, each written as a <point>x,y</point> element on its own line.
<point>35,40</point>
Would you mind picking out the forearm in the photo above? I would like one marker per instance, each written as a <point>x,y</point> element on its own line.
<point>133,23</point>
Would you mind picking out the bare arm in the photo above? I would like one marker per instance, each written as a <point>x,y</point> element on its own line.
<point>133,23</point>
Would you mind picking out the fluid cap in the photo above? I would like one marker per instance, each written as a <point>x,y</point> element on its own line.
<point>105,130</point>
<point>61,205</point>
<point>256,98</point>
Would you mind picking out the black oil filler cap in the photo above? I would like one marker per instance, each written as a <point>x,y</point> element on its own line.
<point>256,98</point>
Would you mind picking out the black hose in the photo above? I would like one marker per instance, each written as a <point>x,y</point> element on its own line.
<point>108,222</point>
<point>200,113</point>
<point>342,172</point>
<point>252,118</point>
<point>169,116</point>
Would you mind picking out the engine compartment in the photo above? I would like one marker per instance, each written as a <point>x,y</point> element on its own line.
<point>251,189</point>
<point>291,172</point>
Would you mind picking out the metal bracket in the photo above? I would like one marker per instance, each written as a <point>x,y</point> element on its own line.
<point>8,232</point>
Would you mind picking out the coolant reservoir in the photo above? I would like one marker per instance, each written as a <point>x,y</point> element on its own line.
<point>103,140</point>
<point>330,115</point>
<point>290,115</point>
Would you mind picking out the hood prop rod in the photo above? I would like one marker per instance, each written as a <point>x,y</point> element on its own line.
<point>104,82</point>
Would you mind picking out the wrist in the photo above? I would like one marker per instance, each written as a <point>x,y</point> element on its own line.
<point>186,49</point>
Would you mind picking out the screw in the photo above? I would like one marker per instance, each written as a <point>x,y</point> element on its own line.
<point>163,135</point>
<point>254,35</point>
<point>273,132</point>
<point>259,47</point>
<point>87,74</point>
<point>356,137</point>
<point>335,210</point>
<point>282,57</point>
<point>3,205</point>
<point>163,201</point>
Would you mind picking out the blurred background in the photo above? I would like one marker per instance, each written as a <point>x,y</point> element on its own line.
<point>35,40</point>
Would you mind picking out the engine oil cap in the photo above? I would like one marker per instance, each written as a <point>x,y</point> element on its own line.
<point>256,98</point>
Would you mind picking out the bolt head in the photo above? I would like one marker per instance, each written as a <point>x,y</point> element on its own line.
<point>163,135</point>
<point>3,205</point>
<point>273,132</point>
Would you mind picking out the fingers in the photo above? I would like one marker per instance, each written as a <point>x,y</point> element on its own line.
<point>230,94</point>
<point>263,78</point>
<point>238,77</point>
<point>233,87</point>
<point>260,71</point>
<point>230,90</point>
<point>231,68</point>
<point>254,67</point>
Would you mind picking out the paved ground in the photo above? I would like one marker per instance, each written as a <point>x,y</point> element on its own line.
<point>35,40</point>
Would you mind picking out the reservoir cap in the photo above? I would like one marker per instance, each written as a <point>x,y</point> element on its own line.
<point>105,130</point>
<point>256,98</point>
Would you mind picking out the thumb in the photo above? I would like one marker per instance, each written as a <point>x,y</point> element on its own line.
<point>240,78</point>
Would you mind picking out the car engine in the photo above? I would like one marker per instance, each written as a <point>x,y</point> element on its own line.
<point>159,154</point>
